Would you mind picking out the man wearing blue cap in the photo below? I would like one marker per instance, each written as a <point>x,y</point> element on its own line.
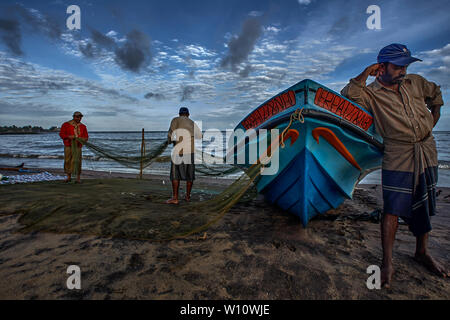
<point>406,107</point>
<point>182,133</point>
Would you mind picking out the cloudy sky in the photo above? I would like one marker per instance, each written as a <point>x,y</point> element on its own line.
<point>134,63</point>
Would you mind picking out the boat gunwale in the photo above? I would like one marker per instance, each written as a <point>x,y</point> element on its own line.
<point>323,115</point>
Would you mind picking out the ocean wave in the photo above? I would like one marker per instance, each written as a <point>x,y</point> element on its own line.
<point>27,156</point>
<point>113,141</point>
<point>48,156</point>
<point>444,165</point>
<point>51,146</point>
<point>103,140</point>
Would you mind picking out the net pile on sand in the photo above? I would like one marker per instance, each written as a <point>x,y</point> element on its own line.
<point>131,208</point>
<point>128,208</point>
<point>123,208</point>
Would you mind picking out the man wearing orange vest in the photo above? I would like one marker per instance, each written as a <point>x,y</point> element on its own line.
<point>72,149</point>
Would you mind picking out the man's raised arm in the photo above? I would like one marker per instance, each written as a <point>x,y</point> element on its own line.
<point>354,90</point>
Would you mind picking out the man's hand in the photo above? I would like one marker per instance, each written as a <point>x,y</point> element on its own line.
<point>375,70</point>
<point>436,112</point>
<point>71,137</point>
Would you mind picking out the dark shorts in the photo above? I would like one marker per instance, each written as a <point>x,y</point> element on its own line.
<point>183,171</point>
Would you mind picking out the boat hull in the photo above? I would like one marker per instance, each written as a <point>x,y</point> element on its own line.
<point>331,154</point>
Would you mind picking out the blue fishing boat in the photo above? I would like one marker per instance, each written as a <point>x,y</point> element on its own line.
<point>330,145</point>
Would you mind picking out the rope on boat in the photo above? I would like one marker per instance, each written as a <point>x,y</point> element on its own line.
<point>296,115</point>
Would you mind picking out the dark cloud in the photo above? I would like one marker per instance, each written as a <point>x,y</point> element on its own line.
<point>102,40</point>
<point>156,96</point>
<point>187,92</point>
<point>241,46</point>
<point>87,50</point>
<point>135,53</point>
<point>11,36</point>
<point>20,18</point>
<point>340,27</point>
<point>110,92</point>
<point>98,40</point>
<point>246,71</point>
<point>39,22</point>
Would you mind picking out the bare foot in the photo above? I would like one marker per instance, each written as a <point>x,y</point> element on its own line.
<point>172,201</point>
<point>187,198</point>
<point>386,275</point>
<point>67,180</point>
<point>431,264</point>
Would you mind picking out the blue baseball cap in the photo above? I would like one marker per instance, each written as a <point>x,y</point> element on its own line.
<point>184,110</point>
<point>397,54</point>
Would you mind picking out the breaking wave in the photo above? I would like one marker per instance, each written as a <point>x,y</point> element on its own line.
<point>443,164</point>
<point>48,156</point>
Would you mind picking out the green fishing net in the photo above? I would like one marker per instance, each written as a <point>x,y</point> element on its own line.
<point>131,159</point>
<point>126,208</point>
<point>127,158</point>
<point>123,208</point>
<point>131,208</point>
<point>76,158</point>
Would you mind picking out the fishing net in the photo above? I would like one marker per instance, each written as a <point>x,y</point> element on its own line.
<point>129,208</point>
<point>131,159</point>
<point>123,208</point>
<point>76,158</point>
<point>127,158</point>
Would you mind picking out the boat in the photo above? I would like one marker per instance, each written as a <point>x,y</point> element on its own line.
<point>330,145</point>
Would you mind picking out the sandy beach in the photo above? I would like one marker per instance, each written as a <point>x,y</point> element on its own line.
<point>256,251</point>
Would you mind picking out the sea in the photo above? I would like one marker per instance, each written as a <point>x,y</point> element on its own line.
<point>46,150</point>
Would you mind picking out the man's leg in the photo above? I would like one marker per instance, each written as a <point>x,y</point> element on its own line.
<point>175,187</point>
<point>422,256</point>
<point>190,177</point>
<point>188,190</point>
<point>389,224</point>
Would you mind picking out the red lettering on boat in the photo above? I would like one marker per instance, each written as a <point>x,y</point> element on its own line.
<point>343,108</point>
<point>269,109</point>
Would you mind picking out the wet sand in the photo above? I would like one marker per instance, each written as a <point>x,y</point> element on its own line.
<point>256,251</point>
